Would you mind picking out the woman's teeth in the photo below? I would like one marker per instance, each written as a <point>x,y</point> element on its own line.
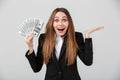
<point>60,29</point>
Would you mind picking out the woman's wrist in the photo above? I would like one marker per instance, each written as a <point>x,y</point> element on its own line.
<point>87,35</point>
<point>30,50</point>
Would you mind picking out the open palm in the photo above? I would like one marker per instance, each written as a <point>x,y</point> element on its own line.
<point>88,32</point>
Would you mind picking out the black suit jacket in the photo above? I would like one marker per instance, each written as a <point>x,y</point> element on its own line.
<point>58,69</point>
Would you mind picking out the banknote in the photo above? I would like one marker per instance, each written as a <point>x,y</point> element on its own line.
<point>30,25</point>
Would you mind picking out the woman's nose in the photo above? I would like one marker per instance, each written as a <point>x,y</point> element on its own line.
<point>60,22</point>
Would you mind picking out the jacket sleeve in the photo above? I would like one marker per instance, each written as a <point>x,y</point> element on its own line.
<point>85,51</point>
<point>36,61</point>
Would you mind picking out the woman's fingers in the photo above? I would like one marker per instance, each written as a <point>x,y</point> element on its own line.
<point>98,28</point>
<point>29,36</point>
<point>88,32</point>
<point>29,39</point>
<point>95,29</point>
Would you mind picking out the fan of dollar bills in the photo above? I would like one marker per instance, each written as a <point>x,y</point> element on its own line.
<point>31,25</point>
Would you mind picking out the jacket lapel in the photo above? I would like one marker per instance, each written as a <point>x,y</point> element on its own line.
<point>63,49</point>
<point>55,61</point>
<point>62,53</point>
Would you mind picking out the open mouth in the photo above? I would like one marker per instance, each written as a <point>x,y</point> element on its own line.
<point>60,29</point>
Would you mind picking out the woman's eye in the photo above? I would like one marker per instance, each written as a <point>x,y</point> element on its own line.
<point>64,20</point>
<point>56,20</point>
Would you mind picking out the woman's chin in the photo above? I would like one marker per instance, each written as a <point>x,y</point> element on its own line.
<point>61,34</point>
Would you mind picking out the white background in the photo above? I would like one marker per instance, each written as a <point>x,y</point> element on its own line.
<point>86,14</point>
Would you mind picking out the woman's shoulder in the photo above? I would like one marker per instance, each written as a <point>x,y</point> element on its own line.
<point>78,34</point>
<point>41,36</point>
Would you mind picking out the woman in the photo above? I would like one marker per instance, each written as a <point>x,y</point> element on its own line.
<point>59,47</point>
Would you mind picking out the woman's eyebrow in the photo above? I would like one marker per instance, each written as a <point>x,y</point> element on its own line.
<point>56,17</point>
<point>64,17</point>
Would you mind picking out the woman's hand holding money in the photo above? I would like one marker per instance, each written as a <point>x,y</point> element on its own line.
<point>29,41</point>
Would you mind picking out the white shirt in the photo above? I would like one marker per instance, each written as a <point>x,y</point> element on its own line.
<point>58,46</point>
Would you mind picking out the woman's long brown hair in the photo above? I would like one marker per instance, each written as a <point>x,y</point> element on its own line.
<point>49,42</point>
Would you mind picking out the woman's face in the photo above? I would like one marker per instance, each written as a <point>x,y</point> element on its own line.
<point>60,23</point>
